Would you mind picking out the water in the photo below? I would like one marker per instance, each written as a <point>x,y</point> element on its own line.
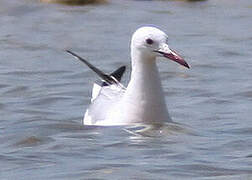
<point>44,91</point>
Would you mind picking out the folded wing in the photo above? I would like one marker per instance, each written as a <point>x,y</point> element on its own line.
<point>106,92</point>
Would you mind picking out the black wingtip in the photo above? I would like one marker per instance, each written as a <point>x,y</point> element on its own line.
<point>70,52</point>
<point>105,77</point>
<point>118,73</point>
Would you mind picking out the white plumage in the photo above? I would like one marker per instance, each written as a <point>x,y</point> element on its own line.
<point>143,100</point>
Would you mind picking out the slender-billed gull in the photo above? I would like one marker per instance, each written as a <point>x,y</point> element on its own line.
<point>143,100</point>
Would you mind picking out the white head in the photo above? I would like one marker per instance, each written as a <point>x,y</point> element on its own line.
<point>150,42</point>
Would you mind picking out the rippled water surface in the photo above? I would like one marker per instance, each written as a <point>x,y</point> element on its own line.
<point>44,92</point>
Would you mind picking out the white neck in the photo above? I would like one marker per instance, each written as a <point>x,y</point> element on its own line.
<point>144,92</point>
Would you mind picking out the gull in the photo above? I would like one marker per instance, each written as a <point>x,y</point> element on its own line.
<point>143,100</point>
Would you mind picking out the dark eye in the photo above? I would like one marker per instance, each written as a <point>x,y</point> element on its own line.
<point>149,41</point>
